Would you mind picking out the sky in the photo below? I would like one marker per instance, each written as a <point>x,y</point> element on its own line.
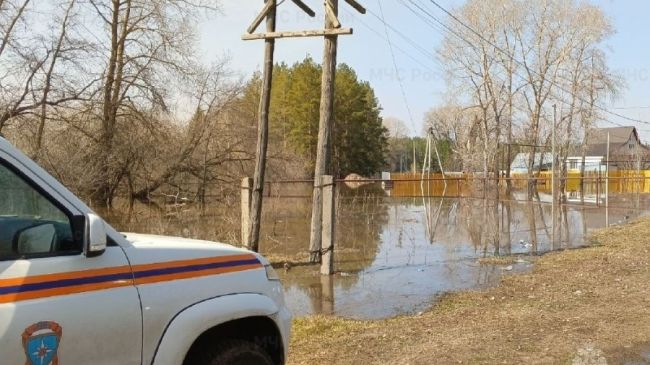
<point>369,52</point>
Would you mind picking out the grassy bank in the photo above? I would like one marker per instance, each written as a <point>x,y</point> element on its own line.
<point>578,306</point>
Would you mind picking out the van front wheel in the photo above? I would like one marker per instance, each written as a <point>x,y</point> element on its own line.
<point>237,352</point>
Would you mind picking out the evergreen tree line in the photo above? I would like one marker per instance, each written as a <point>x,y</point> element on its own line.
<point>360,141</point>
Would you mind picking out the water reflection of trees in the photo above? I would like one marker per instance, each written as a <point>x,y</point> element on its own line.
<point>494,228</point>
<point>217,222</point>
<point>362,214</point>
<point>361,218</point>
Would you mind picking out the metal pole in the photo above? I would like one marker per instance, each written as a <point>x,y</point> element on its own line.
<point>598,188</point>
<point>607,175</point>
<point>414,164</point>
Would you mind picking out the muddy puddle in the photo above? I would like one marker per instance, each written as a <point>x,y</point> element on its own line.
<point>397,255</point>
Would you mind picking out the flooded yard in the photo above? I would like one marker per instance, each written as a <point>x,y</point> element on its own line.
<point>396,255</point>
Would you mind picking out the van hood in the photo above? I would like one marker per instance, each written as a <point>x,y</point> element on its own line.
<point>147,248</point>
<point>148,241</point>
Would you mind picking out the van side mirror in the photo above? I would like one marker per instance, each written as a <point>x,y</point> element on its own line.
<point>36,239</point>
<point>94,235</point>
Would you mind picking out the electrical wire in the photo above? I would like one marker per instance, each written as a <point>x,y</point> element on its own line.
<point>632,107</point>
<point>383,37</point>
<point>520,63</point>
<point>448,29</point>
<point>397,73</point>
<point>408,39</point>
<point>433,22</point>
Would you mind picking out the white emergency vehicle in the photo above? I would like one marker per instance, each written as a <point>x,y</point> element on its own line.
<point>73,291</point>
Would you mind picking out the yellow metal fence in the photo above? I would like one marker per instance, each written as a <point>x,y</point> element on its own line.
<point>466,185</point>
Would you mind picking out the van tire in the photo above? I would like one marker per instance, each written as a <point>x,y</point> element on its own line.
<point>237,352</point>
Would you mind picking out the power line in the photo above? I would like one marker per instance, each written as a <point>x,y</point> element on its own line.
<point>414,45</point>
<point>434,2</point>
<point>450,30</point>
<point>399,77</point>
<point>447,29</point>
<point>436,26</point>
<point>408,39</point>
<point>632,107</point>
<point>423,18</point>
<point>378,34</point>
<point>623,125</point>
<point>436,20</point>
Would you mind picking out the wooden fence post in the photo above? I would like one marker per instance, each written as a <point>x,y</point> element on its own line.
<point>246,196</point>
<point>329,217</point>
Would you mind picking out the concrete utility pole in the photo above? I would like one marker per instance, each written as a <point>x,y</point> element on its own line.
<point>324,148</point>
<point>269,13</point>
<point>607,176</point>
<point>553,205</point>
<point>607,184</point>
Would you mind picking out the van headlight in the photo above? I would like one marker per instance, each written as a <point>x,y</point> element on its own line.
<point>271,274</point>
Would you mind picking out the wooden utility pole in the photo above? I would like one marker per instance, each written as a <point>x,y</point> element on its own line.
<point>324,148</point>
<point>269,13</point>
<point>325,126</point>
<point>262,126</point>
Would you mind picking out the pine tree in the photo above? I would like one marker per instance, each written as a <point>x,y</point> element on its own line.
<point>360,141</point>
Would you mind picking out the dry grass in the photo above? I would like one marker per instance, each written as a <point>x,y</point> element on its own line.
<point>598,296</point>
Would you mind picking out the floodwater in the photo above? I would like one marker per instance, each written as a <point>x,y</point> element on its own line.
<point>401,254</point>
<point>397,255</point>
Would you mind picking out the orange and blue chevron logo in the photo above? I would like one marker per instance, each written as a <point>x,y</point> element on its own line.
<point>41,343</point>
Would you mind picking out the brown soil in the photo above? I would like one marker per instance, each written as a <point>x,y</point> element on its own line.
<point>576,307</point>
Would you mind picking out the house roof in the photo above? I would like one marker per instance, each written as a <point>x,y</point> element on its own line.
<point>618,136</point>
<point>599,149</point>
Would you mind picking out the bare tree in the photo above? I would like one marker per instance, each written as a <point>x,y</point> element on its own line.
<point>512,60</point>
<point>458,126</point>
<point>148,43</point>
<point>213,94</point>
<point>38,71</point>
<point>478,55</point>
<point>585,81</point>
